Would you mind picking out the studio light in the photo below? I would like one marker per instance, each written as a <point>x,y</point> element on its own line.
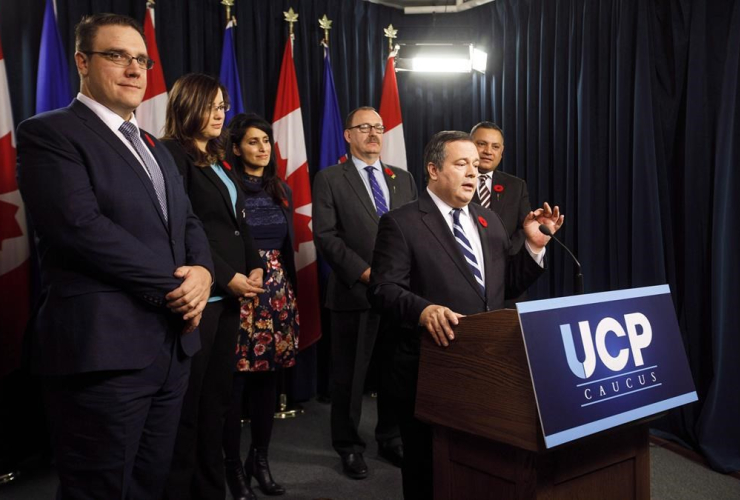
<point>441,58</point>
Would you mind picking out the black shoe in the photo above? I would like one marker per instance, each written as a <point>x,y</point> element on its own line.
<point>393,453</point>
<point>354,465</point>
<point>257,465</point>
<point>236,479</point>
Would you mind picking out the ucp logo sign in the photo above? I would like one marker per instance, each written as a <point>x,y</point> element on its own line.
<point>638,331</point>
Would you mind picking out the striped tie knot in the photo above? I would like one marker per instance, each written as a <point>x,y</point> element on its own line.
<point>483,191</point>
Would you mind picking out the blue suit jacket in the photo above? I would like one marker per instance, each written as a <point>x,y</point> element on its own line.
<point>106,254</point>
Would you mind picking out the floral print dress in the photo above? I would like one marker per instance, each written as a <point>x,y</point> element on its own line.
<point>269,322</point>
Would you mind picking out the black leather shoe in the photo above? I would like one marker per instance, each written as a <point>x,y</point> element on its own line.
<point>393,453</point>
<point>354,465</point>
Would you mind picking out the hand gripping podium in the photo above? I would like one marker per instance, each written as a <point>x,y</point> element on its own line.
<point>556,408</point>
<point>477,394</point>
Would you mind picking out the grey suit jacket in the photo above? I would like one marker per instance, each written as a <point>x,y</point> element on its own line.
<point>345,225</point>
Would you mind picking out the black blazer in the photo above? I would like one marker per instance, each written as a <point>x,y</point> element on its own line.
<point>106,254</point>
<point>511,204</point>
<point>417,263</point>
<point>345,223</point>
<point>232,245</point>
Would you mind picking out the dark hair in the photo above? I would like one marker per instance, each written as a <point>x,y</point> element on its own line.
<point>87,28</point>
<point>351,115</point>
<point>188,108</point>
<point>238,126</point>
<point>436,149</point>
<point>488,125</point>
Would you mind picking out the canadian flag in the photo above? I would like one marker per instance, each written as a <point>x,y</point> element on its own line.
<point>14,250</point>
<point>290,153</point>
<point>393,151</point>
<point>152,111</point>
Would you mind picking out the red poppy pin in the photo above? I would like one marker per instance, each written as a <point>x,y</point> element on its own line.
<point>483,222</point>
<point>498,188</point>
<point>390,173</point>
<point>226,165</point>
<point>149,139</point>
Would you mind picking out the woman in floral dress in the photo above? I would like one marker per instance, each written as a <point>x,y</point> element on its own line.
<point>268,335</point>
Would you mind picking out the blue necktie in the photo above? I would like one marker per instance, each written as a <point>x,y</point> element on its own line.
<point>380,205</point>
<point>466,248</point>
<point>131,133</point>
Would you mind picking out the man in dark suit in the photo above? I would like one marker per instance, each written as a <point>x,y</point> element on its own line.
<point>503,193</point>
<point>436,260</point>
<point>348,200</point>
<point>125,272</point>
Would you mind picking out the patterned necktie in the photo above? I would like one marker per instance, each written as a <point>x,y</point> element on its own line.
<point>484,192</point>
<point>131,133</point>
<point>467,248</point>
<point>380,205</point>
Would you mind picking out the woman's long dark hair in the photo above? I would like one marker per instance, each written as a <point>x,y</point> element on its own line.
<point>188,107</point>
<point>238,126</point>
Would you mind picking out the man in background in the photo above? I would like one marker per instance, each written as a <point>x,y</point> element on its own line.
<point>348,200</point>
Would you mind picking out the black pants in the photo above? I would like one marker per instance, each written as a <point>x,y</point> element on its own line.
<point>260,390</point>
<point>197,465</point>
<point>353,338</point>
<point>417,468</point>
<point>113,432</point>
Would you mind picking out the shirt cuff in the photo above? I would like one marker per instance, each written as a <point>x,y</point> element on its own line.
<point>538,257</point>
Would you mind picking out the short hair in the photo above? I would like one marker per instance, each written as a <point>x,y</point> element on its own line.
<point>87,28</point>
<point>187,110</point>
<point>351,115</point>
<point>436,149</point>
<point>488,125</point>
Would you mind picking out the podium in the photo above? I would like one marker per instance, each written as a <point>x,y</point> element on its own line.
<point>477,395</point>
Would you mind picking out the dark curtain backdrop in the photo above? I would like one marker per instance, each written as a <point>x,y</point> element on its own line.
<point>625,113</point>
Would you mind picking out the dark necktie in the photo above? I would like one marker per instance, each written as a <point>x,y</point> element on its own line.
<point>484,192</point>
<point>466,248</point>
<point>131,133</point>
<point>381,206</point>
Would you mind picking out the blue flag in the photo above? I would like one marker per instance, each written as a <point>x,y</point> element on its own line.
<point>333,147</point>
<point>52,84</point>
<point>230,73</point>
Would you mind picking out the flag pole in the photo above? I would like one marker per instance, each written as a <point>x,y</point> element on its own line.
<point>228,4</point>
<point>283,410</point>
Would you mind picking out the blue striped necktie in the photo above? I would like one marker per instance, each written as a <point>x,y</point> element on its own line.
<point>381,206</point>
<point>467,248</point>
<point>131,133</point>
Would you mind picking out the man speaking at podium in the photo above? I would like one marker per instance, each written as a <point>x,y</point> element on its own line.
<point>440,258</point>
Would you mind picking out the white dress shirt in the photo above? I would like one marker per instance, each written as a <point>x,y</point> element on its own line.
<point>471,231</point>
<point>113,121</point>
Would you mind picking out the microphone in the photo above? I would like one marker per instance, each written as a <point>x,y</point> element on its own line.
<point>578,279</point>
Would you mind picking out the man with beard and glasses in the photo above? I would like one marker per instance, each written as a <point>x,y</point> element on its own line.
<point>348,200</point>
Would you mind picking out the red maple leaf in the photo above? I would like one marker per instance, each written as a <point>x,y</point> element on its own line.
<point>9,227</point>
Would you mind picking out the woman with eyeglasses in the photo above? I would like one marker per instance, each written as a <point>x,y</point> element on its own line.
<point>268,336</point>
<point>193,134</point>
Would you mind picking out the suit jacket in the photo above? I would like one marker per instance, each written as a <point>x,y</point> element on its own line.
<point>345,224</point>
<point>417,263</point>
<point>511,204</point>
<point>232,245</point>
<point>106,254</point>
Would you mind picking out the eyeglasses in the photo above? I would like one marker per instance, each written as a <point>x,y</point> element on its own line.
<point>221,107</point>
<point>365,128</point>
<point>123,59</point>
